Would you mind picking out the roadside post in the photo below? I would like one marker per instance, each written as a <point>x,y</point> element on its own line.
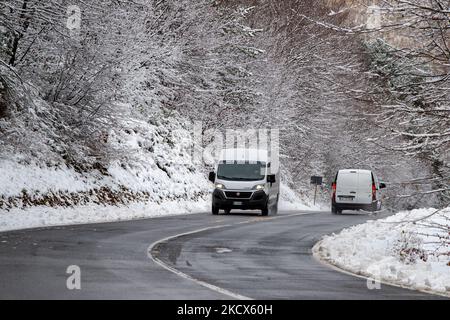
<point>316,181</point>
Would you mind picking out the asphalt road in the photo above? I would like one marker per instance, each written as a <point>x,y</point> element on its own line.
<point>243,256</point>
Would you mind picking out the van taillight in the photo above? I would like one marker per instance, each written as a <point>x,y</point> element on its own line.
<point>374,192</point>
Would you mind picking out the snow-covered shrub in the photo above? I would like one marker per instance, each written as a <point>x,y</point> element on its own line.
<point>409,248</point>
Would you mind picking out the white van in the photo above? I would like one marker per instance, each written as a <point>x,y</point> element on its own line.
<point>355,189</point>
<point>244,180</point>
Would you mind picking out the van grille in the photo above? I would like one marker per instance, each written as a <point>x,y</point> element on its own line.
<point>238,195</point>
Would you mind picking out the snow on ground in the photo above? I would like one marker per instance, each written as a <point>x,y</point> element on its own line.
<point>290,200</point>
<point>16,177</point>
<point>179,191</point>
<point>155,186</point>
<point>148,164</point>
<point>410,248</point>
<point>149,174</point>
<point>43,216</point>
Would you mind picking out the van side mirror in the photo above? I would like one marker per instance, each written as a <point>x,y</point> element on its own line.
<point>212,176</point>
<point>382,185</point>
<point>271,178</point>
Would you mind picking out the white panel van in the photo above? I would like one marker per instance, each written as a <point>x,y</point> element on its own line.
<point>356,189</point>
<point>245,180</point>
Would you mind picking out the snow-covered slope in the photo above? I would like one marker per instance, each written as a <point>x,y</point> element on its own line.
<point>146,172</point>
<point>146,163</point>
<point>411,249</point>
<point>138,168</point>
<point>147,176</point>
<point>45,216</point>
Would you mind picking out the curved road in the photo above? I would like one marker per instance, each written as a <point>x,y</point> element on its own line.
<point>247,255</point>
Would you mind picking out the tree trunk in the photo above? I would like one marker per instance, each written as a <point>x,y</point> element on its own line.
<point>19,35</point>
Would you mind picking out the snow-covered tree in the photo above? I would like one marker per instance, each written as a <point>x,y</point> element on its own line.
<point>415,78</point>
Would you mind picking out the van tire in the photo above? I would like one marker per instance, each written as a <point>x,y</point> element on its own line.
<point>227,211</point>
<point>335,210</point>
<point>374,207</point>
<point>215,210</point>
<point>265,210</point>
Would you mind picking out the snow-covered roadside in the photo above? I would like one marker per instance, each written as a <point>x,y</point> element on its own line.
<point>148,176</point>
<point>43,216</point>
<point>410,249</point>
<point>290,200</point>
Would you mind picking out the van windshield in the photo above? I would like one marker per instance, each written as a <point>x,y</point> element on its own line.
<point>241,171</point>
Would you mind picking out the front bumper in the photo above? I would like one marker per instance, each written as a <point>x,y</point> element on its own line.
<point>258,200</point>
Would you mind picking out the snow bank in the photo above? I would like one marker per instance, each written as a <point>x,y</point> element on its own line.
<point>148,173</point>
<point>290,200</point>
<point>411,249</point>
<point>45,216</point>
<point>17,177</point>
<point>147,163</point>
<point>42,216</point>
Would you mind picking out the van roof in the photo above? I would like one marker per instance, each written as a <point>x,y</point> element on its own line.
<point>355,170</point>
<point>241,154</point>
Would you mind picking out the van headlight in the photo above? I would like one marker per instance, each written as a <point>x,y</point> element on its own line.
<point>259,187</point>
<point>220,186</point>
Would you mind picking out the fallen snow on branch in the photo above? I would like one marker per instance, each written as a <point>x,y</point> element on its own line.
<point>411,249</point>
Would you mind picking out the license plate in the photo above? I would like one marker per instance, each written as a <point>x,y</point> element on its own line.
<point>237,203</point>
<point>346,198</point>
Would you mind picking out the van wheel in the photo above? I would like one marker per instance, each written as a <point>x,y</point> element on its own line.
<point>265,210</point>
<point>374,207</point>
<point>227,211</point>
<point>335,210</point>
<point>215,210</point>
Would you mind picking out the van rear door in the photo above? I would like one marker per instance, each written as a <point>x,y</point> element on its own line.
<point>346,186</point>
<point>354,186</point>
<point>364,193</point>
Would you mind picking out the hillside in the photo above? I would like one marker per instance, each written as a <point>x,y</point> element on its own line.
<point>101,109</point>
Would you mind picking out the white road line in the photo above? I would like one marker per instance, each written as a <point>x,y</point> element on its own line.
<point>200,282</point>
<point>186,276</point>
